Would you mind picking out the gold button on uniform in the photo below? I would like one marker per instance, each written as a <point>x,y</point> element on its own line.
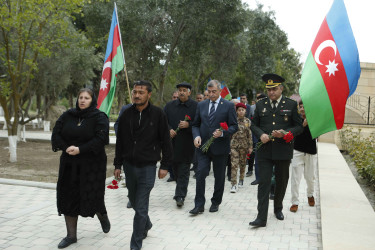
<point>273,139</point>
<point>273,115</point>
<point>273,123</point>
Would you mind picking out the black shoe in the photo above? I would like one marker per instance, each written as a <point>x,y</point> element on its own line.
<point>197,210</point>
<point>256,182</point>
<point>66,242</point>
<point>279,215</point>
<point>129,205</point>
<point>249,173</point>
<point>258,223</point>
<point>179,201</point>
<point>272,196</point>
<point>214,208</point>
<point>170,179</point>
<point>104,221</point>
<point>146,231</point>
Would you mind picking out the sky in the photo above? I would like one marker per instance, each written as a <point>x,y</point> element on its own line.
<point>301,20</point>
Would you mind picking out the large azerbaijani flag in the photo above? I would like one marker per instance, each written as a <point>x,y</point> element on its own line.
<point>331,72</point>
<point>113,63</point>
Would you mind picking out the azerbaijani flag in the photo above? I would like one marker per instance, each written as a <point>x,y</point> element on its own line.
<point>331,72</point>
<point>113,63</point>
<point>225,93</point>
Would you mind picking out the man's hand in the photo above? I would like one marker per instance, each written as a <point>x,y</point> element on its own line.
<point>278,133</point>
<point>162,173</point>
<point>172,133</point>
<point>117,173</point>
<point>250,150</point>
<point>264,138</point>
<point>304,123</point>
<point>217,133</point>
<point>183,124</point>
<point>197,141</point>
<point>72,150</point>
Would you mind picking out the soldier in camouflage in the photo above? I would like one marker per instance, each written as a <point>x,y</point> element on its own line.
<point>240,146</point>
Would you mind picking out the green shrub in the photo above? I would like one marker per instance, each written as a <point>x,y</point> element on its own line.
<point>362,152</point>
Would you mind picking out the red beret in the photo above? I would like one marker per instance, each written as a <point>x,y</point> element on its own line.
<point>240,105</point>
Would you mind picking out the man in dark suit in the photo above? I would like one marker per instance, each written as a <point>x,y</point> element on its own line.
<point>210,113</point>
<point>273,117</point>
<point>243,99</point>
<point>182,140</point>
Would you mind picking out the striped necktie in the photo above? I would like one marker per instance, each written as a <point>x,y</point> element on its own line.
<point>211,114</point>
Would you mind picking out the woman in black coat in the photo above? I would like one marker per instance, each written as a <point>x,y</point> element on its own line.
<point>81,133</point>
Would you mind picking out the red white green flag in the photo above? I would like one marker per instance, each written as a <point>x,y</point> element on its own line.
<point>331,72</point>
<point>113,63</point>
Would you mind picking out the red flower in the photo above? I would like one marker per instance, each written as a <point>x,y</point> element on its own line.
<point>187,118</point>
<point>115,187</point>
<point>110,186</point>
<point>248,156</point>
<point>224,126</point>
<point>114,182</point>
<point>288,137</point>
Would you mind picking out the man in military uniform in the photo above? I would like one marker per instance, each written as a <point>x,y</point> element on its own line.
<point>273,118</point>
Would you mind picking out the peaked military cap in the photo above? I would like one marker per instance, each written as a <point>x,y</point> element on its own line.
<point>272,80</point>
<point>184,84</point>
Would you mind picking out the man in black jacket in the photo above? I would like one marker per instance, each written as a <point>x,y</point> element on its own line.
<point>180,113</point>
<point>142,135</point>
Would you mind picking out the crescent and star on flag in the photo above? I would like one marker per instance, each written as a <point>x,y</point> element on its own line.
<point>106,76</point>
<point>332,66</point>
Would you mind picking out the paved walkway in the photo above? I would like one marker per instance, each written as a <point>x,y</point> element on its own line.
<point>28,217</point>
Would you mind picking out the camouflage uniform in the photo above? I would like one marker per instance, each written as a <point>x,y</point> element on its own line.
<point>239,147</point>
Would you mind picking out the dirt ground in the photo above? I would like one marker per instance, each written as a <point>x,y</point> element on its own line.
<point>37,162</point>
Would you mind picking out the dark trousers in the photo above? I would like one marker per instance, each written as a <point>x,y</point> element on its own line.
<point>202,171</point>
<point>140,182</point>
<point>229,169</point>
<point>265,176</point>
<point>182,174</point>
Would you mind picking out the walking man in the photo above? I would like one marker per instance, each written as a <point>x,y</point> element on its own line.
<point>142,135</point>
<point>179,114</point>
<point>210,113</point>
<point>273,118</point>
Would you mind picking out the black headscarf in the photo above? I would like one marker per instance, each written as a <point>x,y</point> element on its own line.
<point>88,112</point>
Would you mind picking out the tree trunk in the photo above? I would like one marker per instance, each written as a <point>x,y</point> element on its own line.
<point>12,139</point>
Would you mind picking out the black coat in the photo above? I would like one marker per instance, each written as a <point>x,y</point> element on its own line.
<point>183,143</point>
<point>266,120</point>
<point>141,137</point>
<point>81,182</point>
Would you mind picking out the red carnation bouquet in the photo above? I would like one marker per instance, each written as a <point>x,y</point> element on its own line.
<point>113,185</point>
<point>187,118</point>
<point>288,137</point>
<point>206,146</point>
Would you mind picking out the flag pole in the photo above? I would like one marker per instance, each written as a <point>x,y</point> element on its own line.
<point>122,49</point>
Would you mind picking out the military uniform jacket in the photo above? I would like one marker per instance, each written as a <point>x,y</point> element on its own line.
<point>266,120</point>
<point>242,138</point>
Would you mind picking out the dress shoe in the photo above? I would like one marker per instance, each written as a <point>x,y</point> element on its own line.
<point>197,210</point>
<point>311,201</point>
<point>258,223</point>
<point>279,215</point>
<point>104,221</point>
<point>249,173</point>
<point>170,179</point>
<point>129,205</point>
<point>214,208</point>
<point>66,242</point>
<point>293,208</point>
<point>179,201</point>
<point>256,182</point>
<point>146,231</point>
